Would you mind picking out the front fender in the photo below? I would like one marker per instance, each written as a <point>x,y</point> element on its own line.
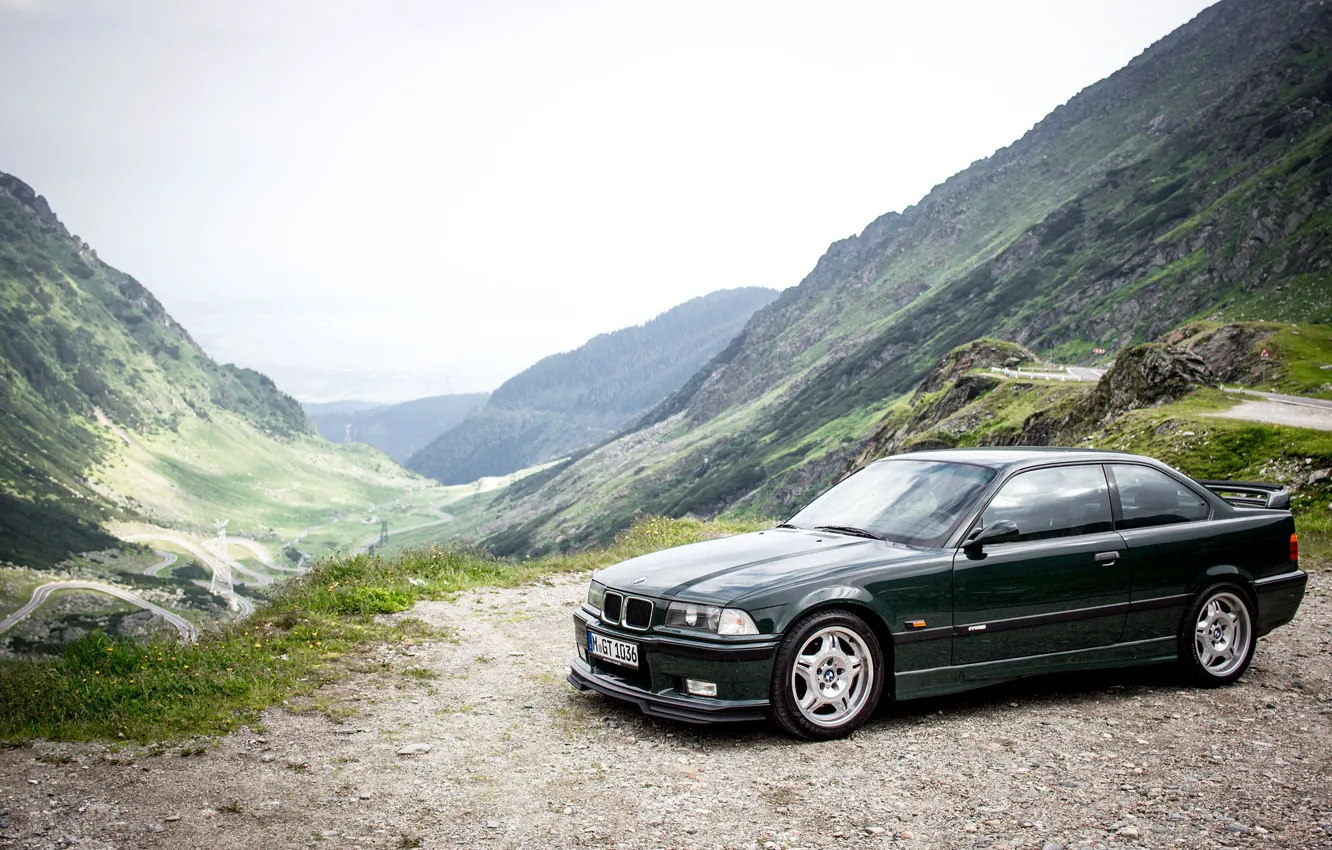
<point>824,597</point>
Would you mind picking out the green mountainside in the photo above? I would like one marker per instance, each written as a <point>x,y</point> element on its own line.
<point>568,401</point>
<point>112,417</point>
<point>1192,184</point>
<point>397,430</point>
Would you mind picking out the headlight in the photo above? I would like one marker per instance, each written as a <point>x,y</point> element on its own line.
<point>710,618</point>
<point>689,615</point>
<point>596,594</point>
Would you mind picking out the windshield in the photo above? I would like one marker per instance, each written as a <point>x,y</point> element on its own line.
<point>906,501</point>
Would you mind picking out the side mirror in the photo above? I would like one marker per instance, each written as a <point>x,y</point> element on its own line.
<point>999,531</point>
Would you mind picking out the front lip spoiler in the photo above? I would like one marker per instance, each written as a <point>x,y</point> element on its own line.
<point>669,707</point>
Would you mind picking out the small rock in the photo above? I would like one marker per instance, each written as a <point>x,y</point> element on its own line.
<point>267,757</point>
<point>907,836</point>
<point>568,810</point>
<point>1129,831</point>
<point>417,750</point>
<point>156,827</point>
<point>1238,828</point>
<point>172,818</point>
<point>1052,845</point>
<point>364,795</point>
<point>490,824</point>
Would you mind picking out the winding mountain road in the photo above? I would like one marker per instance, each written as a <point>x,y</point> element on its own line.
<point>221,567</point>
<point>168,559</point>
<point>187,630</point>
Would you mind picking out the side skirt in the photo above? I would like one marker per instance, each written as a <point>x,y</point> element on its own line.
<point>947,680</point>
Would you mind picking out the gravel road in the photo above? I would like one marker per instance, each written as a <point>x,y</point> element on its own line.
<point>1278,413</point>
<point>518,760</point>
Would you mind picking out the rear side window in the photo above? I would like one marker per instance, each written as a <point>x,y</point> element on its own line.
<point>1149,497</point>
<point>1058,502</point>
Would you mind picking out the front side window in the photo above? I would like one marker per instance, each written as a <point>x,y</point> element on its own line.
<point>1057,502</point>
<point>914,502</point>
<point>1149,497</point>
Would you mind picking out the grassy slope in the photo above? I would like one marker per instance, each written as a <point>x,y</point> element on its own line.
<point>103,688</point>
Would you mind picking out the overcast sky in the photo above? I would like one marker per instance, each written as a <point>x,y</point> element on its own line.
<point>393,199</point>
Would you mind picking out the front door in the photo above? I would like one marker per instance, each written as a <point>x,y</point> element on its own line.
<point>1062,585</point>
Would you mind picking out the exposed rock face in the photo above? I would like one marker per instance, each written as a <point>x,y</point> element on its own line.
<point>1143,376</point>
<point>1231,352</point>
<point>981,354</point>
<point>1148,375</point>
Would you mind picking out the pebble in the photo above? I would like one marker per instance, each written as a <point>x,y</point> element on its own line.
<point>1052,845</point>
<point>415,749</point>
<point>490,824</point>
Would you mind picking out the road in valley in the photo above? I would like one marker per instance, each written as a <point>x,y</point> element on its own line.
<point>168,559</point>
<point>262,554</point>
<point>221,567</point>
<point>187,629</point>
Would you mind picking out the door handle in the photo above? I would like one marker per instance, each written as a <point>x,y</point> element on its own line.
<point>1107,557</point>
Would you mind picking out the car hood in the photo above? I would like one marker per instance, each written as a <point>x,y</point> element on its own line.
<point>719,571</point>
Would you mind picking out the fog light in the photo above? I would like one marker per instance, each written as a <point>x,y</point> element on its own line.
<point>701,689</point>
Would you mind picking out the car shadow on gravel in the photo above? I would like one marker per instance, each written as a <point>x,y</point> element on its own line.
<point>1049,689</point>
<point>1008,697</point>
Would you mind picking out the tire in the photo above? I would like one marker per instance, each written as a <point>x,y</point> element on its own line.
<point>818,692</point>
<point>1216,638</point>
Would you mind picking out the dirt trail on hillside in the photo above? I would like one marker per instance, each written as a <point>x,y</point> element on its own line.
<point>519,760</point>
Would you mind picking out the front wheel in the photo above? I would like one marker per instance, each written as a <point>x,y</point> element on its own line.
<point>1216,639</point>
<point>828,676</point>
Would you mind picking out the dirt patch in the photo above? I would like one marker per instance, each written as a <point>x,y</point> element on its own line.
<point>518,759</point>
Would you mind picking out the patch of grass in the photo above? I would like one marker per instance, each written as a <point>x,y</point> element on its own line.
<point>103,687</point>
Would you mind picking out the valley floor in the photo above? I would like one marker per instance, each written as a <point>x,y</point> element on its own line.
<point>518,759</point>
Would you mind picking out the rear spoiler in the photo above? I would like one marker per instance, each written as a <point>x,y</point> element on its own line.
<point>1250,494</point>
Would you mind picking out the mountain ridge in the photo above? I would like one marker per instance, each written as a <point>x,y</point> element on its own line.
<point>574,399</point>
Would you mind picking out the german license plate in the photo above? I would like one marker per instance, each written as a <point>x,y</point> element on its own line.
<point>615,651</point>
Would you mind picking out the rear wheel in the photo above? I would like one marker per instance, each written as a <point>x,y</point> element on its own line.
<point>1216,639</point>
<point>828,676</point>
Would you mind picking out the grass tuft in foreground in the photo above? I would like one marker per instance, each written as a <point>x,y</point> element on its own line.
<point>115,688</point>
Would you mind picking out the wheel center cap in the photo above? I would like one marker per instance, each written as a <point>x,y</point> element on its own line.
<point>828,676</point>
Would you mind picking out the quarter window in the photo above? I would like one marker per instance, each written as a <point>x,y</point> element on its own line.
<point>1061,501</point>
<point>1149,497</point>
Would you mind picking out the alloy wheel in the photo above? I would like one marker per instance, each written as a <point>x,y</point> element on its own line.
<point>833,676</point>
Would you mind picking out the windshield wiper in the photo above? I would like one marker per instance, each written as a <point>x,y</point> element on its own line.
<point>847,529</point>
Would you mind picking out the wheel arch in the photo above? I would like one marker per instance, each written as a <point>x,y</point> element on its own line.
<point>1232,574</point>
<point>867,612</point>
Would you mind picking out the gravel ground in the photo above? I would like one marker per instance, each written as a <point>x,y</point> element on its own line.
<point>518,759</point>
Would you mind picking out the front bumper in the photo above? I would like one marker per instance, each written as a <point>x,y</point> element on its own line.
<point>742,673</point>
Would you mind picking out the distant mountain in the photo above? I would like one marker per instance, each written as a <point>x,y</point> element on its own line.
<point>398,430</point>
<point>1196,182</point>
<point>573,400</point>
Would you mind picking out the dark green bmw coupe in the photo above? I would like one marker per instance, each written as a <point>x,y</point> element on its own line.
<point>935,572</point>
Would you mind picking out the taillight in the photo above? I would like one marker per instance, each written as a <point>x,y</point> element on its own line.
<point>1294,547</point>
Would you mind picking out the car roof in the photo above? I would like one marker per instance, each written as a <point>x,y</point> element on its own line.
<point>1003,457</point>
